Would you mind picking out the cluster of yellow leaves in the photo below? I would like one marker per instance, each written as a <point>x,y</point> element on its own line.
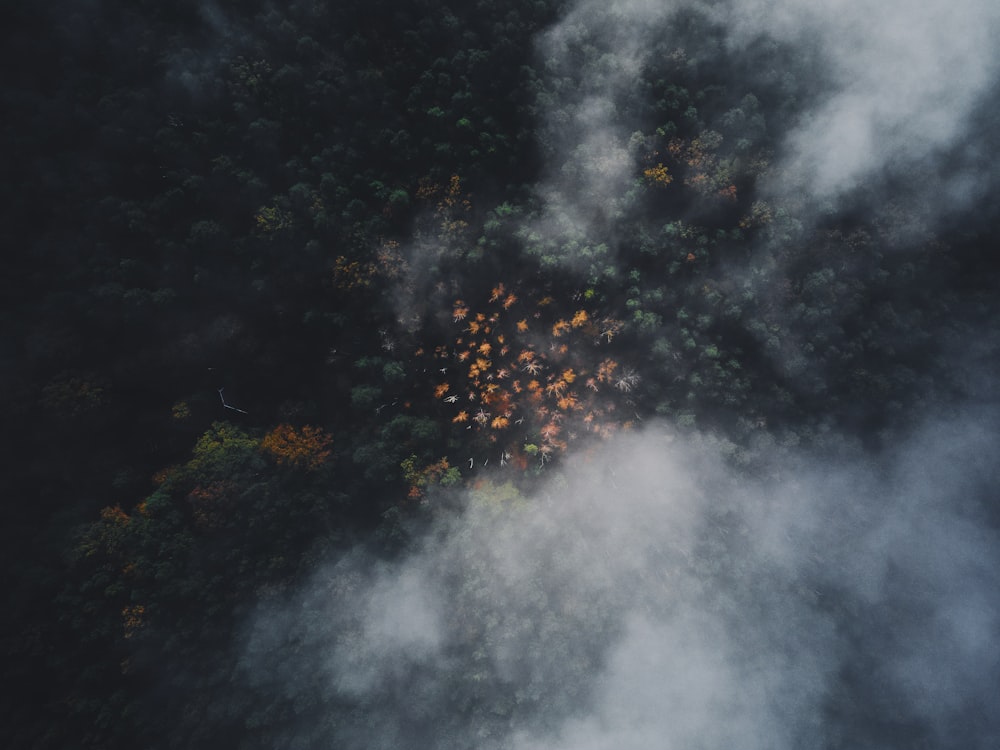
<point>658,175</point>
<point>307,448</point>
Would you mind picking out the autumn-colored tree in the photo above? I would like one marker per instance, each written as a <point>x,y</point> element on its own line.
<point>452,208</point>
<point>560,327</point>
<point>352,274</point>
<point>307,448</point>
<point>419,478</point>
<point>658,175</point>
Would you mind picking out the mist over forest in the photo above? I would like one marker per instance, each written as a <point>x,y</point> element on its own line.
<point>531,375</point>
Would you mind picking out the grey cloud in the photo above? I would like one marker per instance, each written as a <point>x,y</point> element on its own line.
<point>654,596</point>
<point>906,79</point>
<point>583,136</point>
<point>898,88</point>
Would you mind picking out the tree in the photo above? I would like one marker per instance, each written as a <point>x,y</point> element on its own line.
<point>307,448</point>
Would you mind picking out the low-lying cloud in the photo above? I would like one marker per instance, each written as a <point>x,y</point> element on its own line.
<point>904,81</point>
<point>650,595</point>
<point>896,89</point>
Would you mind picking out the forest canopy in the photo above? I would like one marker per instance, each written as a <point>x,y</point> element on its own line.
<point>548,373</point>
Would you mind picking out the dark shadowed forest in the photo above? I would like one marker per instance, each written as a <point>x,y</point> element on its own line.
<point>527,374</point>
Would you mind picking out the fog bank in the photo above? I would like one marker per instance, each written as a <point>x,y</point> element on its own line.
<point>651,595</point>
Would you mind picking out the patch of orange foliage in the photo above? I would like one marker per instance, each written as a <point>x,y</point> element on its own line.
<point>308,448</point>
<point>116,516</point>
<point>567,402</point>
<point>606,370</point>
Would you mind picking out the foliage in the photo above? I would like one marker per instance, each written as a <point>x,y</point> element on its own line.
<point>308,447</point>
<point>372,232</point>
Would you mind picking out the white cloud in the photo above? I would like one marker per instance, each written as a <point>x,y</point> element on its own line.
<point>653,596</point>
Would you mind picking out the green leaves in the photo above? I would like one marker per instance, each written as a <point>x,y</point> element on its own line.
<point>224,451</point>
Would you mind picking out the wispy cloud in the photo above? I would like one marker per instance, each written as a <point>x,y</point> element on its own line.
<point>896,90</point>
<point>903,81</point>
<point>653,596</point>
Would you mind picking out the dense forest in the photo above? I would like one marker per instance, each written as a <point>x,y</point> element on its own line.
<point>525,374</point>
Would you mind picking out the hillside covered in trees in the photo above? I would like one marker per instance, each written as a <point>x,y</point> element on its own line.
<point>526,374</point>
